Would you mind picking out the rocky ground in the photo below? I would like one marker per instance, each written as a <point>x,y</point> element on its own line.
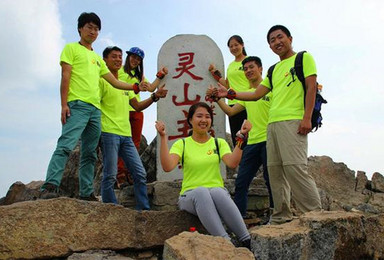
<point>351,226</point>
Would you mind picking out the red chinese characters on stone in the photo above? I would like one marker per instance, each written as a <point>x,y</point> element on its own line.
<point>186,101</point>
<point>184,129</point>
<point>185,65</point>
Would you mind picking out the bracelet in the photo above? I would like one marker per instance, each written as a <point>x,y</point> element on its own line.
<point>136,88</point>
<point>241,140</point>
<point>216,75</point>
<point>154,98</point>
<point>160,75</point>
<point>231,94</point>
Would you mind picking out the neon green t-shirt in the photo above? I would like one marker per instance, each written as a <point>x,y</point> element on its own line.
<point>258,114</point>
<point>115,109</point>
<point>201,162</point>
<point>87,67</point>
<point>236,79</point>
<point>288,101</point>
<point>130,80</point>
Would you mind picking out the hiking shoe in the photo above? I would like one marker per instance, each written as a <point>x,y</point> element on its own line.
<point>49,191</point>
<point>91,197</point>
<point>246,243</point>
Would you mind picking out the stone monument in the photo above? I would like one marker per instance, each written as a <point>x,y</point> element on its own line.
<point>187,58</point>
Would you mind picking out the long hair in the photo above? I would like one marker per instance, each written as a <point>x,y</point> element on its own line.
<point>239,40</point>
<point>138,71</point>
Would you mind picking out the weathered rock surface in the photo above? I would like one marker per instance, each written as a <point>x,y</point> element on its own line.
<point>98,255</point>
<point>377,182</point>
<point>338,186</point>
<point>195,246</point>
<point>322,235</point>
<point>59,227</point>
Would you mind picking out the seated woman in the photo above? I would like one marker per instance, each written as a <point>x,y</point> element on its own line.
<point>203,193</point>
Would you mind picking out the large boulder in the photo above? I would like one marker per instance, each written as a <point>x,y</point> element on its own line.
<point>195,246</point>
<point>378,182</point>
<point>59,227</point>
<point>322,235</point>
<point>339,187</point>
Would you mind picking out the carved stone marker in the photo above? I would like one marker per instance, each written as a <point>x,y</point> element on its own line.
<point>187,58</point>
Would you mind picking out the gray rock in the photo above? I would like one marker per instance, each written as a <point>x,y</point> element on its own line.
<point>378,182</point>
<point>321,235</point>
<point>58,227</point>
<point>195,246</point>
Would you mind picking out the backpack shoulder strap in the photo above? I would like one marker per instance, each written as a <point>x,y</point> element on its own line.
<point>182,156</point>
<point>269,74</point>
<point>217,148</point>
<point>299,69</point>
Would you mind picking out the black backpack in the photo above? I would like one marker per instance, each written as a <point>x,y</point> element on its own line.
<point>317,118</point>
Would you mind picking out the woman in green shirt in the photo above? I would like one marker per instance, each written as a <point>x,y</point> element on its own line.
<point>203,193</point>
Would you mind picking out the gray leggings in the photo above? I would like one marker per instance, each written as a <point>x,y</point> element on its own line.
<point>209,204</point>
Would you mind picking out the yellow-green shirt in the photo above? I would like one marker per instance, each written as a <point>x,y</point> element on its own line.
<point>115,109</point>
<point>201,162</point>
<point>130,80</point>
<point>288,101</point>
<point>87,67</point>
<point>236,79</point>
<point>258,114</point>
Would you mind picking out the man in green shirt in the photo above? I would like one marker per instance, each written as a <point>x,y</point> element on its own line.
<point>116,132</point>
<point>289,124</point>
<point>255,152</point>
<point>81,69</point>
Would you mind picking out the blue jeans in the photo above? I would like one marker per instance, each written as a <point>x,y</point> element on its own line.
<point>83,123</point>
<point>254,156</point>
<point>114,146</point>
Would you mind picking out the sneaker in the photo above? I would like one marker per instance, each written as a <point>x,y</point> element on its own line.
<point>49,191</point>
<point>246,243</point>
<point>91,197</point>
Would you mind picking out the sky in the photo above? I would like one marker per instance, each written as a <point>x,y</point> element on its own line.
<point>344,37</point>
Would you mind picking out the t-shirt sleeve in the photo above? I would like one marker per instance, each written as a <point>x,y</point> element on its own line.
<point>101,88</point>
<point>223,147</point>
<point>266,82</point>
<point>67,55</point>
<point>309,65</point>
<point>177,148</point>
<point>131,94</point>
<point>103,67</point>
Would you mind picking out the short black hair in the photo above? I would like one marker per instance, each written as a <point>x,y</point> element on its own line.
<point>109,49</point>
<point>256,59</point>
<point>278,27</point>
<point>85,18</point>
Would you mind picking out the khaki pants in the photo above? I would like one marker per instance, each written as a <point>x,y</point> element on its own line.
<point>288,171</point>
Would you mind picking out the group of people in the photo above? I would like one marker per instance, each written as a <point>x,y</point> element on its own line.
<point>98,96</point>
<point>100,100</point>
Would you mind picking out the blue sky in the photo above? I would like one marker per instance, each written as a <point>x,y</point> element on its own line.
<point>345,38</point>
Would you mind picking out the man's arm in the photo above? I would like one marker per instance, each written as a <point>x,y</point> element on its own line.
<point>140,106</point>
<point>159,76</point>
<point>125,86</point>
<point>260,92</point>
<point>230,111</point>
<point>66,71</point>
<point>311,86</point>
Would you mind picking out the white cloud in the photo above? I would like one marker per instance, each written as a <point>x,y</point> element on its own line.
<point>30,45</point>
<point>29,75</point>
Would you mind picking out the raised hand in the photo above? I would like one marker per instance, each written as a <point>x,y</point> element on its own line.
<point>246,127</point>
<point>221,91</point>
<point>160,127</point>
<point>162,72</point>
<point>161,92</point>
